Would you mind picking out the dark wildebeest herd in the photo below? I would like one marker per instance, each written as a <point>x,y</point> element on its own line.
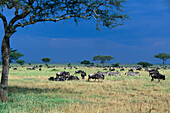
<point>65,76</point>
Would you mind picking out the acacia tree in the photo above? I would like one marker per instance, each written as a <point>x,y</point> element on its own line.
<point>21,62</point>
<point>13,55</point>
<point>86,62</point>
<point>163,56</point>
<point>46,60</point>
<point>102,59</point>
<point>97,58</point>
<point>107,13</point>
<point>144,64</point>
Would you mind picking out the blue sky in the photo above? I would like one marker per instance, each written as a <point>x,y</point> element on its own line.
<point>146,34</point>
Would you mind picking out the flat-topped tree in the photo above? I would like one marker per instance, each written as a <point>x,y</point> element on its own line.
<point>13,55</point>
<point>107,13</point>
<point>144,64</point>
<point>102,59</point>
<point>86,62</point>
<point>163,56</point>
<point>46,60</point>
<point>21,62</point>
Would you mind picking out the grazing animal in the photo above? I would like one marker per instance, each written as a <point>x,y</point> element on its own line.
<point>83,74</point>
<point>14,68</point>
<point>132,73</point>
<point>79,71</point>
<point>40,69</point>
<point>111,69</point>
<point>96,76</point>
<point>60,79</point>
<point>114,73</point>
<point>157,76</point>
<point>105,69</point>
<point>62,74</point>
<point>51,79</point>
<point>122,69</point>
<point>104,73</point>
<point>33,68</point>
<point>139,69</point>
<point>72,78</point>
<point>70,68</point>
<point>130,70</point>
<point>75,67</point>
<point>153,71</point>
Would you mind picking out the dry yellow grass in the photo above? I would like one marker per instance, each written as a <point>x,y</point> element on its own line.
<point>120,94</point>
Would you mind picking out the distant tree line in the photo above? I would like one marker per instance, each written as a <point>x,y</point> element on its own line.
<point>14,56</point>
<point>105,58</point>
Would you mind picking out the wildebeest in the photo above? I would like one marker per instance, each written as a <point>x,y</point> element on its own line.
<point>70,67</point>
<point>50,66</point>
<point>96,76</point>
<point>72,78</point>
<point>15,68</point>
<point>122,69</point>
<point>62,74</point>
<point>111,69</point>
<point>157,76</point>
<point>153,71</point>
<point>139,68</point>
<point>33,68</point>
<point>60,79</point>
<point>130,70</point>
<point>105,69</point>
<point>75,67</point>
<point>40,69</point>
<point>114,73</point>
<point>104,73</point>
<point>83,74</point>
<point>63,78</point>
<point>132,73</point>
<point>51,78</point>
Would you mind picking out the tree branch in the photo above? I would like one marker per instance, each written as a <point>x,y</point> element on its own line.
<point>8,6</point>
<point>26,12</point>
<point>4,21</point>
<point>49,19</point>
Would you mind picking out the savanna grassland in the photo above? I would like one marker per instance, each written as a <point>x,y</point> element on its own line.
<point>30,91</point>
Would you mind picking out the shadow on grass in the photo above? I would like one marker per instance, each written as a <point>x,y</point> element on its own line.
<point>25,90</point>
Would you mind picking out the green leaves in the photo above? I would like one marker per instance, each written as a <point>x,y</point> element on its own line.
<point>108,13</point>
<point>163,56</point>
<point>46,60</point>
<point>145,64</point>
<point>86,62</point>
<point>102,59</point>
<point>13,55</point>
<point>21,62</point>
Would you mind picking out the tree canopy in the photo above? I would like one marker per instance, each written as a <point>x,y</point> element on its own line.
<point>108,13</point>
<point>13,55</point>
<point>21,62</point>
<point>102,59</point>
<point>144,64</point>
<point>163,56</point>
<point>86,62</point>
<point>46,60</point>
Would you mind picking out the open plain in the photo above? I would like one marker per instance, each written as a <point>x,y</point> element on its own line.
<point>30,91</point>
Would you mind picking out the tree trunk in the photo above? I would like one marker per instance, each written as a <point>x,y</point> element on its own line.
<point>163,63</point>
<point>5,49</point>
<point>103,65</point>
